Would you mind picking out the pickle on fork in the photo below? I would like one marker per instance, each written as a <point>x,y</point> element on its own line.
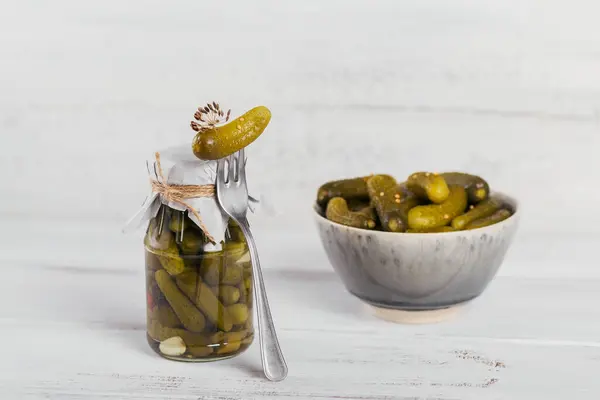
<point>219,142</point>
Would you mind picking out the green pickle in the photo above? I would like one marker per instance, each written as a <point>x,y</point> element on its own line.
<point>165,248</point>
<point>152,289</point>
<point>152,261</point>
<point>482,209</point>
<point>387,199</point>
<point>205,299</point>
<point>349,189</point>
<point>159,332</point>
<point>438,215</point>
<point>156,238</point>
<point>477,188</point>
<point>191,318</point>
<point>199,351</point>
<point>197,296</point>
<point>338,211</point>
<point>177,221</point>
<point>232,274</point>
<point>247,340</point>
<point>427,185</point>
<point>222,141</point>
<point>211,268</point>
<point>238,313</point>
<point>359,204</point>
<point>213,308</point>
<point>187,282</point>
<point>426,202</point>
<point>192,242</point>
<point>235,249</point>
<point>408,200</point>
<point>228,294</point>
<point>171,260</point>
<point>166,316</point>
<point>235,232</point>
<point>234,336</point>
<point>496,217</point>
<point>232,342</point>
<point>248,285</point>
<point>222,267</point>
<point>229,348</point>
<point>241,287</point>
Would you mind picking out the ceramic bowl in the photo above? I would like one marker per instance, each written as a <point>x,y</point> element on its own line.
<point>400,273</point>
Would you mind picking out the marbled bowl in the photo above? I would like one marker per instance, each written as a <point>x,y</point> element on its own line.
<point>398,273</point>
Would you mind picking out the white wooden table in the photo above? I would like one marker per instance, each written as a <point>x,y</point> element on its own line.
<point>74,330</point>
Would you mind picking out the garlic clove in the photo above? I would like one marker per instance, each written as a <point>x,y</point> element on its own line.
<point>173,346</point>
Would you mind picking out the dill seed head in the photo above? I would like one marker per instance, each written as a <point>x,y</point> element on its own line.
<point>208,117</point>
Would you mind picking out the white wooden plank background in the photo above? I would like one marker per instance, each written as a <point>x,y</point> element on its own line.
<point>507,89</point>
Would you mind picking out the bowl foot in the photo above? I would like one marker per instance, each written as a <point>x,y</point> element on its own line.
<point>416,316</point>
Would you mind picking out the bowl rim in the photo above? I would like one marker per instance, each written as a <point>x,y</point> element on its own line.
<point>513,202</point>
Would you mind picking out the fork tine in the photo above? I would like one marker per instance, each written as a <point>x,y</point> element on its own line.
<point>221,170</point>
<point>232,171</point>
<point>241,166</point>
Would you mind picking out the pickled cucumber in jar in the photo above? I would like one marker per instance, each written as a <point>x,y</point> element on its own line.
<point>192,242</point>
<point>235,232</point>
<point>199,304</point>
<point>161,242</point>
<point>198,296</point>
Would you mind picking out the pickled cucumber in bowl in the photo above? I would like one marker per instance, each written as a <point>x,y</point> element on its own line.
<point>422,202</point>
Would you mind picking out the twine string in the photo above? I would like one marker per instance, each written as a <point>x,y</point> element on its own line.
<point>179,193</point>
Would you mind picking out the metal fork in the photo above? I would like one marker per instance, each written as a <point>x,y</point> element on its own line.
<point>232,194</point>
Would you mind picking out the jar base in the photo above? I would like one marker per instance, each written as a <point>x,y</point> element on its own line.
<point>186,357</point>
<point>196,360</point>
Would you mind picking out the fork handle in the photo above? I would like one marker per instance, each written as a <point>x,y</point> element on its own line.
<point>273,362</point>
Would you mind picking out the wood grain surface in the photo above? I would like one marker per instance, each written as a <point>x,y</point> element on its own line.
<point>79,334</point>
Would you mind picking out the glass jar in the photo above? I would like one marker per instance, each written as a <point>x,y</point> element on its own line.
<point>199,303</point>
